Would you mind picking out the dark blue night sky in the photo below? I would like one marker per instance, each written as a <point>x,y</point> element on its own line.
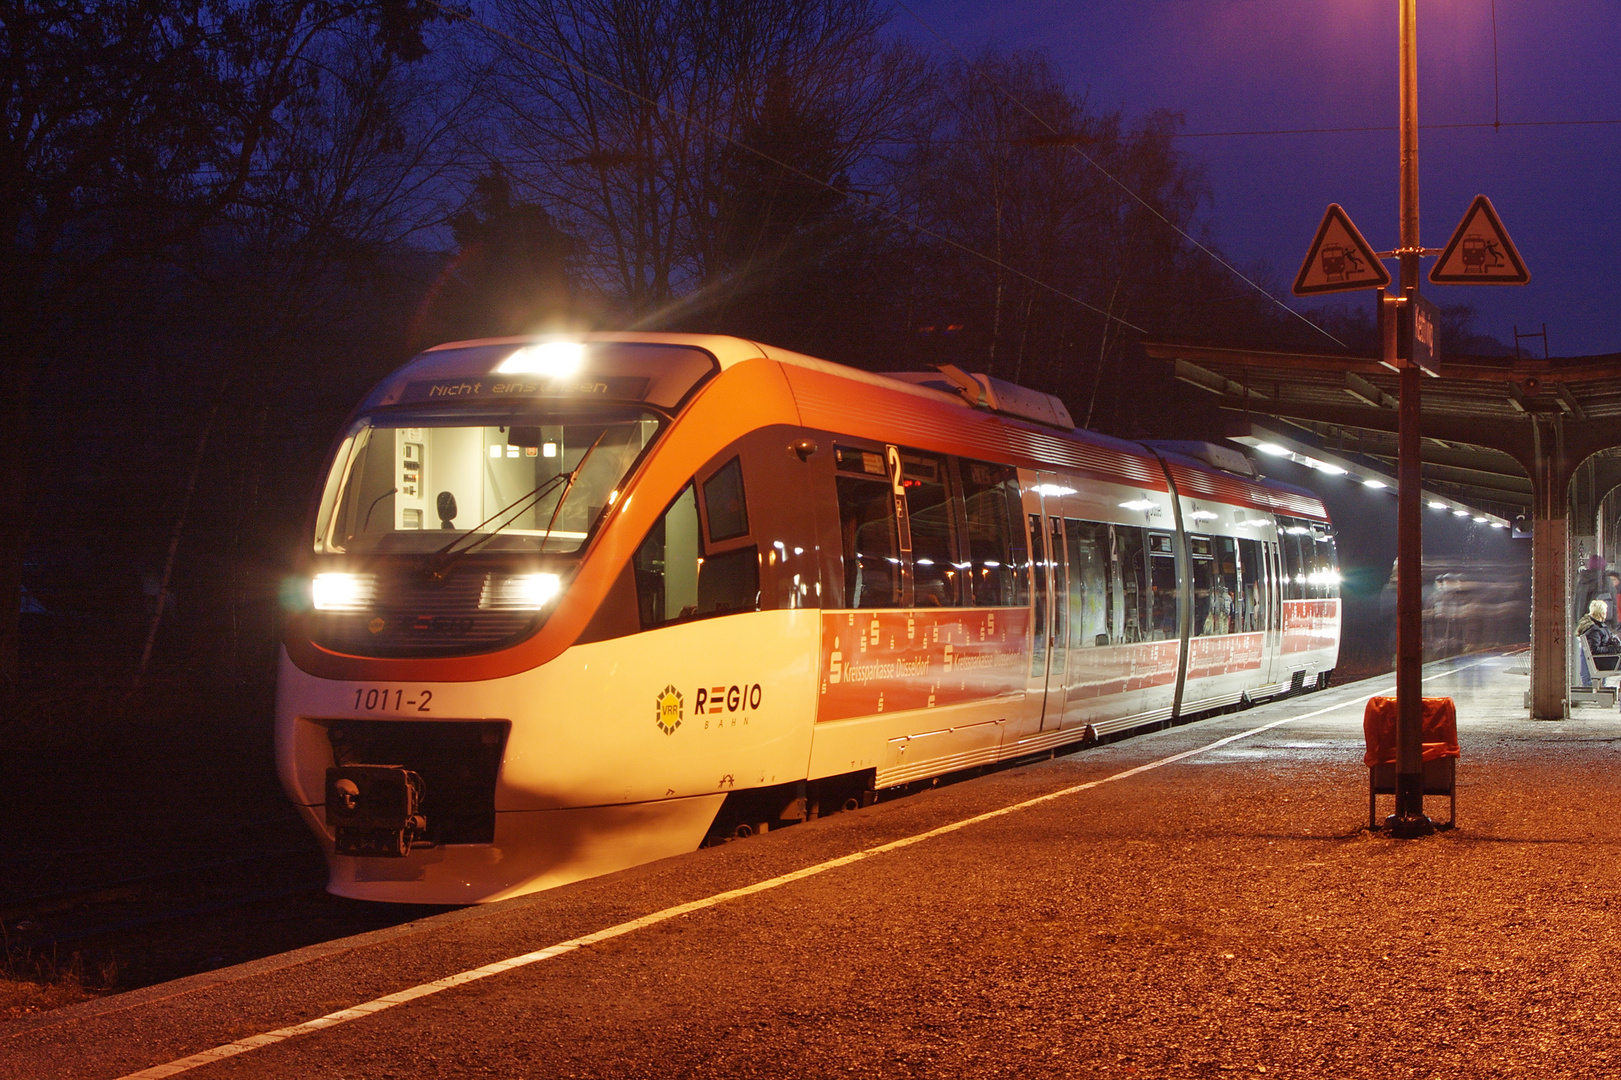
<point>1286,64</point>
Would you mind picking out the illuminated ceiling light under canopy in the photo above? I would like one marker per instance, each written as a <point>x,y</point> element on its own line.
<point>1460,513</point>
<point>1437,505</point>
<point>1332,470</point>
<point>1498,525</point>
<point>1272,448</point>
<point>1481,520</point>
<point>553,359</point>
<point>1372,483</point>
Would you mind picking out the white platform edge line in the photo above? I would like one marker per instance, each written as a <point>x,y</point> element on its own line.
<point>376,1005</point>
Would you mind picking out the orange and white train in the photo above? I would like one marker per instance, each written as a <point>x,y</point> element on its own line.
<point>577,605</point>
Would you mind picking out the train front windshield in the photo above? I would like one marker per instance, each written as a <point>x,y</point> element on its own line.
<point>410,482</point>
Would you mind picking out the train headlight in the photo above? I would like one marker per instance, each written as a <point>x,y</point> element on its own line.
<point>554,359</point>
<point>519,592</point>
<point>343,592</point>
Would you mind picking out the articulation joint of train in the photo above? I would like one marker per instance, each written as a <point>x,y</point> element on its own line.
<point>578,605</point>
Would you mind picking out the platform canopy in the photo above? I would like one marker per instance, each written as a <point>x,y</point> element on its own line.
<point>1506,437</point>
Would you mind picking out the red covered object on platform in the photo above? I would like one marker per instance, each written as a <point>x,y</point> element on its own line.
<point>1379,730</point>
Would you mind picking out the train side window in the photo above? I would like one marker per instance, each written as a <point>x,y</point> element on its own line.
<point>1325,563</point>
<point>1294,564</point>
<point>994,558</point>
<point>1038,585</point>
<point>724,503</point>
<point>1056,556</point>
<point>674,582</point>
<point>1162,591</point>
<point>1203,563</point>
<point>729,582</point>
<point>667,565</point>
<point>1132,562</point>
<point>1091,586</point>
<point>1220,615</point>
<point>934,539</point>
<point>1249,602</point>
<point>867,525</point>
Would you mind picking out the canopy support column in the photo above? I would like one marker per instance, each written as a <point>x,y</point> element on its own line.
<point>1550,584</point>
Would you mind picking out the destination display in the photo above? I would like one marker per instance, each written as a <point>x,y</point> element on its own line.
<point>493,387</point>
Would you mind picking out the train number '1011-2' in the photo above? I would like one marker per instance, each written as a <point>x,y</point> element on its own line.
<point>391,699</point>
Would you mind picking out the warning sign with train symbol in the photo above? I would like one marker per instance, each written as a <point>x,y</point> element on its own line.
<point>1340,259</point>
<point>1480,252</point>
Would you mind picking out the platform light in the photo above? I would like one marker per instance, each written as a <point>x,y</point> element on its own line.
<point>519,592</point>
<point>1371,482</point>
<point>343,592</point>
<point>1460,513</point>
<point>1481,520</point>
<point>1499,525</point>
<point>1434,505</point>
<point>1332,470</point>
<point>553,359</point>
<point>1272,448</point>
<point>1137,504</point>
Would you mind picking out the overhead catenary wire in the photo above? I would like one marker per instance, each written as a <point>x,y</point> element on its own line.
<point>1117,182</point>
<point>875,207</point>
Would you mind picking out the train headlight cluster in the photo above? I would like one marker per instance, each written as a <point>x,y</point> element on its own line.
<point>343,592</point>
<point>554,359</point>
<point>519,592</point>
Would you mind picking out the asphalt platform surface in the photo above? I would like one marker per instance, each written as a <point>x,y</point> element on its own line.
<point>1225,912</point>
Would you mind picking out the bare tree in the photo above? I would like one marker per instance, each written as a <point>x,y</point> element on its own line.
<point>630,118</point>
<point>126,129</point>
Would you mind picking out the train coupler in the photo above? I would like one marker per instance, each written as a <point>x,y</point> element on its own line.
<point>375,811</point>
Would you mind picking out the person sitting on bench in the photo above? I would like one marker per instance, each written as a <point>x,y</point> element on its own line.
<point>1600,641</point>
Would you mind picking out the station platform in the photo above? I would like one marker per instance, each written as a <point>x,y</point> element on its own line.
<point>1194,902</point>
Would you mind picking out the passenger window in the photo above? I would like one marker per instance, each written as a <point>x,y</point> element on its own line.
<point>1038,583</point>
<point>1250,603</point>
<point>1132,563</point>
<point>1055,554</point>
<point>667,565</point>
<point>934,541</point>
<point>729,582</point>
<point>1091,586</point>
<point>723,502</point>
<point>1327,563</point>
<point>1162,591</point>
<point>1295,557</point>
<point>1215,580</point>
<point>674,582</point>
<point>867,525</point>
<point>995,560</point>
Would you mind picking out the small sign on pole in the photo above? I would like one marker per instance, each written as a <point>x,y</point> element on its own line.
<point>1480,252</point>
<point>1339,260</point>
<point>1410,333</point>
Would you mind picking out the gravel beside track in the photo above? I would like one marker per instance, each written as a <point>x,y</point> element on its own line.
<point>1226,913</point>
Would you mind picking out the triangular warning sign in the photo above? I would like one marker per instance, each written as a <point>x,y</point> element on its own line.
<point>1480,252</point>
<point>1339,259</point>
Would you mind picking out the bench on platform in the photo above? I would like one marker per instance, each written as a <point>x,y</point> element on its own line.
<point>1604,671</point>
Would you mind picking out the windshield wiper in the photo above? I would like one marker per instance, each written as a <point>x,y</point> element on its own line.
<point>438,565</point>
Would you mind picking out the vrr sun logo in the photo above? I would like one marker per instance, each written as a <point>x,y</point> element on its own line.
<point>668,710</point>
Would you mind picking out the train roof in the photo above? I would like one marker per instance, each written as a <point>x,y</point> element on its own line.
<point>1196,476</point>
<point>1031,424</point>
